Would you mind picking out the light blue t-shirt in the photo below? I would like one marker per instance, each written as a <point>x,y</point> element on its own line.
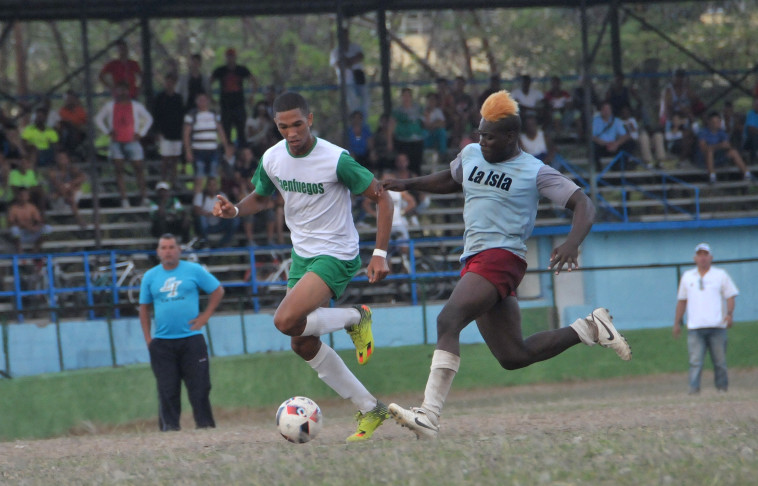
<point>501,199</point>
<point>175,298</point>
<point>750,121</point>
<point>614,131</point>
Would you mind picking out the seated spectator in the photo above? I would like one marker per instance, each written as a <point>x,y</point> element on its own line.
<point>732,124</point>
<point>26,223</point>
<point>403,204</point>
<point>167,214</point>
<point>620,95</point>
<point>73,123</point>
<point>493,87</point>
<point>680,136</point>
<point>750,131</point>
<point>65,182</point>
<point>530,100</point>
<point>466,114</point>
<point>259,129</point>
<point>676,96</point>
<point>578,102</point>
<point>641,140</point>
<point>608,135</point>
<point>402,171</point>
<point>202,131</point>
<point>408,135</point>
<point>207,224</point>
<point>360,140</point>
<point>382,156</point>
<point>558,102</point>
<point>40,140</point>
<point>435,137</point>
<point>715,149</point>
<point>126,122</point>
<point>24,177</point>
<point>536,142</point>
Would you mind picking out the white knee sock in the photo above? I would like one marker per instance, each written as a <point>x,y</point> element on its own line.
<point>444,367</point>
<point>333,371</point>
<point>325,320</point>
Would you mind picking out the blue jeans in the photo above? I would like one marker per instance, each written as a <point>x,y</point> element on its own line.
<point>714,339</point>
<point>226,226</point>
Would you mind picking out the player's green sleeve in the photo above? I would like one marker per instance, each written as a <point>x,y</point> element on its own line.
<point>262,182</point>
<point>356,177</point>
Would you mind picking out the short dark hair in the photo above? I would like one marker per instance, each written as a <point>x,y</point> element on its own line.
<point>290,101</point>
<point>713,114</point>
<point>169,236</point>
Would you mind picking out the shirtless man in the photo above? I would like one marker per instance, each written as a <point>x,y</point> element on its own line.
<point>27,225</point>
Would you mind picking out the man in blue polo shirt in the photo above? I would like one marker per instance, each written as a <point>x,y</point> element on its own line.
<point>177,348</point>
<point>609,134</point>
<point>715,148</point>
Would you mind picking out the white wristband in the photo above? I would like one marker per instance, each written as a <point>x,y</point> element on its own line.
<point>236,212</point>
<point>380,253</point>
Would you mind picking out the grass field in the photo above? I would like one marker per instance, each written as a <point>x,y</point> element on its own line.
<point>584,417</point>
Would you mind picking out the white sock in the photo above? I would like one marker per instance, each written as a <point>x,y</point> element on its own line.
<point>333,371</point>
<point>444,367</point>
<point>325,320</point>
<point>582,328</point>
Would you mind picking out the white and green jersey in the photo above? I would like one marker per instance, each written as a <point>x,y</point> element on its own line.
<point>316,191</point>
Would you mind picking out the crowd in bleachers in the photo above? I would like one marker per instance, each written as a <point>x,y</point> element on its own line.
<point>214,143</point>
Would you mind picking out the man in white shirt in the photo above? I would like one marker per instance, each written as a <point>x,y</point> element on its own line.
<point>530,100</point>
<point>702,292</point>
<point>351,61</point>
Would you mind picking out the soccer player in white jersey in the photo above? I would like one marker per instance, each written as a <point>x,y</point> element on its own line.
<point>502,186</point>
<point>315,179</point>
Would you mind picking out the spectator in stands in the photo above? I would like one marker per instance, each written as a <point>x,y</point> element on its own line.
<point>435,137</point>
<point>466,114</point>
<point>259,129</point>
<point>403,205</point>
<point>530,100</point>
<point>73,123</point>
<point>351,62</point>
<point>202,132</point>
<point>360,140</point>
<point>641,139</point>
<point>231,78</point>
<point>26,223</point>
<point>408,135</point>
<point>169,124</point>
<point>205,222</point>
<point>492,87</point>
<point>53,119</point>
<point>402,170</point>
<point>126,121</point>
<point>41,141</point>
<point>609,135</point>
<point>11,146</point>
<point>193,82</point>
<point>65,182</point>
<point>620,95</point>
<point>680,137</point>
<point>732,124</point>
<point>750,131</point>
<point>715,148</point>
<point>558,102</point>
<point>122,70</point>
<point>535,141</point>
<point>676,96</point>
<point>167,214</point>
<point>382,156</point>
<point>447,105</point>
<point>25,177</point>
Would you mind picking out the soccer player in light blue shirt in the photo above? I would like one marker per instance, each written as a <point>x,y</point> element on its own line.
<point>177,348</point>
<point>502,186</point>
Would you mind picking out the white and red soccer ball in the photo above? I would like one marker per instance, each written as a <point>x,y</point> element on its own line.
<point>299,419</point>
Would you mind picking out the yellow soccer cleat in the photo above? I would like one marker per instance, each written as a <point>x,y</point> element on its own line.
<point>361,334</point>
<point>368,422</point>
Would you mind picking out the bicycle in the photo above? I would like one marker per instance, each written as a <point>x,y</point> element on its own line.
<point>272,287</point>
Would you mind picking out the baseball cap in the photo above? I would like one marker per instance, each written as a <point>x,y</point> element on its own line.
<point>231,51</point>
<point>162,185</point>
<point>703,247</point>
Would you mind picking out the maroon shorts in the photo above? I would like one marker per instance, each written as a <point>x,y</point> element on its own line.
<point>500,267</point>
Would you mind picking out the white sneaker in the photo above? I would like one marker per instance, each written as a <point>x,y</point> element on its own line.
<point>606,334</point>
<point>415,419</point>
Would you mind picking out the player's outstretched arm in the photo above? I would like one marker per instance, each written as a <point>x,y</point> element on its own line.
<point>377,268</point>
<point>251,204</point>
<point>439,183</point>
<point>584,215</point>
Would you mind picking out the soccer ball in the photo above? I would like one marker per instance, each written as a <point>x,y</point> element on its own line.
<point>299,419</point>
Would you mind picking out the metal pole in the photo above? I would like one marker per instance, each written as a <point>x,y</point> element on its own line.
<point>384,56</point>
<point>147,61</point>
<point>587,108</point>
<point>615,37</point>
<point>341,50</point>
<point>89,144</point>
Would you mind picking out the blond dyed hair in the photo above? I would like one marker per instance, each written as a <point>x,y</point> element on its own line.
<point>499,105</point>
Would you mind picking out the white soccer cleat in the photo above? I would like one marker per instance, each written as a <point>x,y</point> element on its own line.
<point>607,335</point>
<point>415,419</point>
